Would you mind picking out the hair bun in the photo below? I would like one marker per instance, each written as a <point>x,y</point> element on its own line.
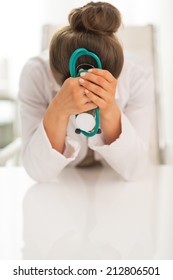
<point>98,17</point>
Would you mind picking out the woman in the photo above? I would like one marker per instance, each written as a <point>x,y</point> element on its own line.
<point>50,99</point>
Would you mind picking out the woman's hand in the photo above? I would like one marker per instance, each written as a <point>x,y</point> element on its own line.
<point>100,87</point>
<point>70,100</point>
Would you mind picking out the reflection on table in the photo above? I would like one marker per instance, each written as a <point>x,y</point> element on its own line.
<point>88,214</point>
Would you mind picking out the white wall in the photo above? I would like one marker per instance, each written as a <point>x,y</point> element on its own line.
<point>20,29</point>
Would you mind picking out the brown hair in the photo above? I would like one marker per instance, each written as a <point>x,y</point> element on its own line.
<point>93,27</point>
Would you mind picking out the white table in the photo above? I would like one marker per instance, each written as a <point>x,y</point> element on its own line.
<point>86,214</point>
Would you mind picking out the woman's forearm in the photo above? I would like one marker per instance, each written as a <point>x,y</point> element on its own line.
<point>55,126</point>
<point>111,124</point>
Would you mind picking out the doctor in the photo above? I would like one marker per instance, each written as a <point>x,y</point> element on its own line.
<point>50,99</point>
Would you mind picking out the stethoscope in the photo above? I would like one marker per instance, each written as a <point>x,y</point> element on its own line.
<point>87,124</point>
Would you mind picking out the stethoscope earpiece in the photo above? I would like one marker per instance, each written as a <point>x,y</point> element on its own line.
<point>87,124</point>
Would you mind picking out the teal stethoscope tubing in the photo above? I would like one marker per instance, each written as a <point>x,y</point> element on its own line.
<point>72,67</point>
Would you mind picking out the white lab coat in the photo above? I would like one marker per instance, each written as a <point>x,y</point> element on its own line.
<point>128,155</point>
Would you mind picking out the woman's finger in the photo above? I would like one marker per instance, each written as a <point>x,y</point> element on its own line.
<point>96,89</point>
<point>95,79</point>
<point>95,99</point>
<point>103,73</point>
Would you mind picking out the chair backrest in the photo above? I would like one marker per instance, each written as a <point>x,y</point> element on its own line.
<point>139,41</point>
<point>142,50</point>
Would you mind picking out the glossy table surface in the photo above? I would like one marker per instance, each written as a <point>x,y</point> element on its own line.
<point>86,214</point>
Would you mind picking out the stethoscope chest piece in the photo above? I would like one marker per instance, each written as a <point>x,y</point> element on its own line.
<point>85,121</point>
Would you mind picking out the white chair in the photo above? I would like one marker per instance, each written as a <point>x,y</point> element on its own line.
<point>139,42</point>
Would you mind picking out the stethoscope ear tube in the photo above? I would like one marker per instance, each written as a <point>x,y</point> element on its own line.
<point>78,53</point>
<point>73,73</point>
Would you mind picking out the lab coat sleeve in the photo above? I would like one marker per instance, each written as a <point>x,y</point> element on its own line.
<point>41,161</point>
<point>129,154</point>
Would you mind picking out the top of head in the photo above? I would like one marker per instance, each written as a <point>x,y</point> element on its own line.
<point>97,17</point>
<point>91,27</point>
